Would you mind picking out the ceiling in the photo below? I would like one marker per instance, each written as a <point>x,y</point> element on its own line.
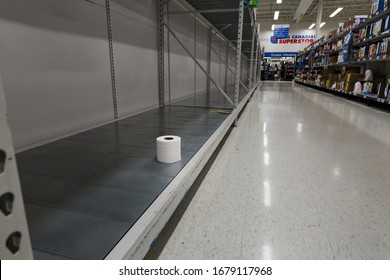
<point>265,12</point>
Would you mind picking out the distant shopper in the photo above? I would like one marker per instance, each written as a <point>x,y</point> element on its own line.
<point>282,71</point>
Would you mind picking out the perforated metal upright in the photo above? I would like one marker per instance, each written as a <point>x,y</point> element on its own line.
<point>251,59</point>
<point>14,236</point>
<point>256,60</point>
<point>112,64</point>
<point>209,43</point>
<point>161,12</point>
<point>238,54</point>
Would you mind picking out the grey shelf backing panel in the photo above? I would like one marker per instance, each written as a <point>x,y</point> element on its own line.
<point>221,19</point>
<point>90,188</point>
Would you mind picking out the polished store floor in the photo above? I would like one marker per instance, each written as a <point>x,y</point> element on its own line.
<point>305,175</point>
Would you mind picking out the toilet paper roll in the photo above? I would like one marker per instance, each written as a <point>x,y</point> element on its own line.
<point>168,148</point>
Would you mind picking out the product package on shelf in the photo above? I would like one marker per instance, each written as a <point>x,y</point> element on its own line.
<point>387,90</point>
<point>341,56</point>
<point>380,90</point>
<point>367,88</point>
<point>385,5</point>
<point>377,28</point>
<point>387,24</point>
<point>378,50</point>
<point>385,50</point>
<point>377,6</point>
<point>362,34</point>
<point>372,51</point>
<point>363,53</point>
<point>355,55</point>
<point>358,21</point>
<point>350,80</point>
<point>344,56</point>
<point>371,34</point>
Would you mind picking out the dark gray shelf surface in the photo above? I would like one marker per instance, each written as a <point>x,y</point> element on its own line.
<point>214,100</point>
<point>84,192</point>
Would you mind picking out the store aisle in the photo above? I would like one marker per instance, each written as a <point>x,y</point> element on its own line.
<point>304,176</point>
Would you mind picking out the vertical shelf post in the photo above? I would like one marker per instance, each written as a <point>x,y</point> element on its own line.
<point>209,38</point>
<point>161,7</point>
<point>238,54</point>
<point>319,18</point>
<point>251,62</point>
<point>256,61</point>
<point>111,52</point>
<point>227,65</point>
<point>14,237</point>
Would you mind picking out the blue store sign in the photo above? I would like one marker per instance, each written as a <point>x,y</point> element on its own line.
<point>280,54</point>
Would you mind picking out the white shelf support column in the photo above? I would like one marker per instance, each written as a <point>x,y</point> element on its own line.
<point>319,17</point>
<point>14,237</point>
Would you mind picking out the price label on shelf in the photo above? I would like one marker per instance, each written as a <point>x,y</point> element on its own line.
<point>364,96</point>
<point>383,101</point>
<point>378,100</point>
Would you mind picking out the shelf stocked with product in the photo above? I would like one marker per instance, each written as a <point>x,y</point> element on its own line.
<point>352,60</point>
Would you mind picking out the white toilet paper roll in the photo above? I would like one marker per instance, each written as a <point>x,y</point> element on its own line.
<point>168,148</point>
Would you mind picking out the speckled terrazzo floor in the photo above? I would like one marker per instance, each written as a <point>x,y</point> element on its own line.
<point>304,176</point>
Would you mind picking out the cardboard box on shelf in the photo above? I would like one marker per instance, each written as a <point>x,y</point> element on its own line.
<point>352,77</point>
<point>350,80</point>
<point>325,73</point>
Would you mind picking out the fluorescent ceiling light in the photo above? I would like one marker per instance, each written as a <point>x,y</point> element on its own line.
<point>311,26</point>
<point>273,27</point>
<point>279,1</point>
<point>276,15</point>
<point>336,12</point>
<point>322,24</point>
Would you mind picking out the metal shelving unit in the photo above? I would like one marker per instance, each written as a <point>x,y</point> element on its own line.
<point>234,25</point>
<point>78,183</point>
<point>231,22</point>
<point>375,63</point>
